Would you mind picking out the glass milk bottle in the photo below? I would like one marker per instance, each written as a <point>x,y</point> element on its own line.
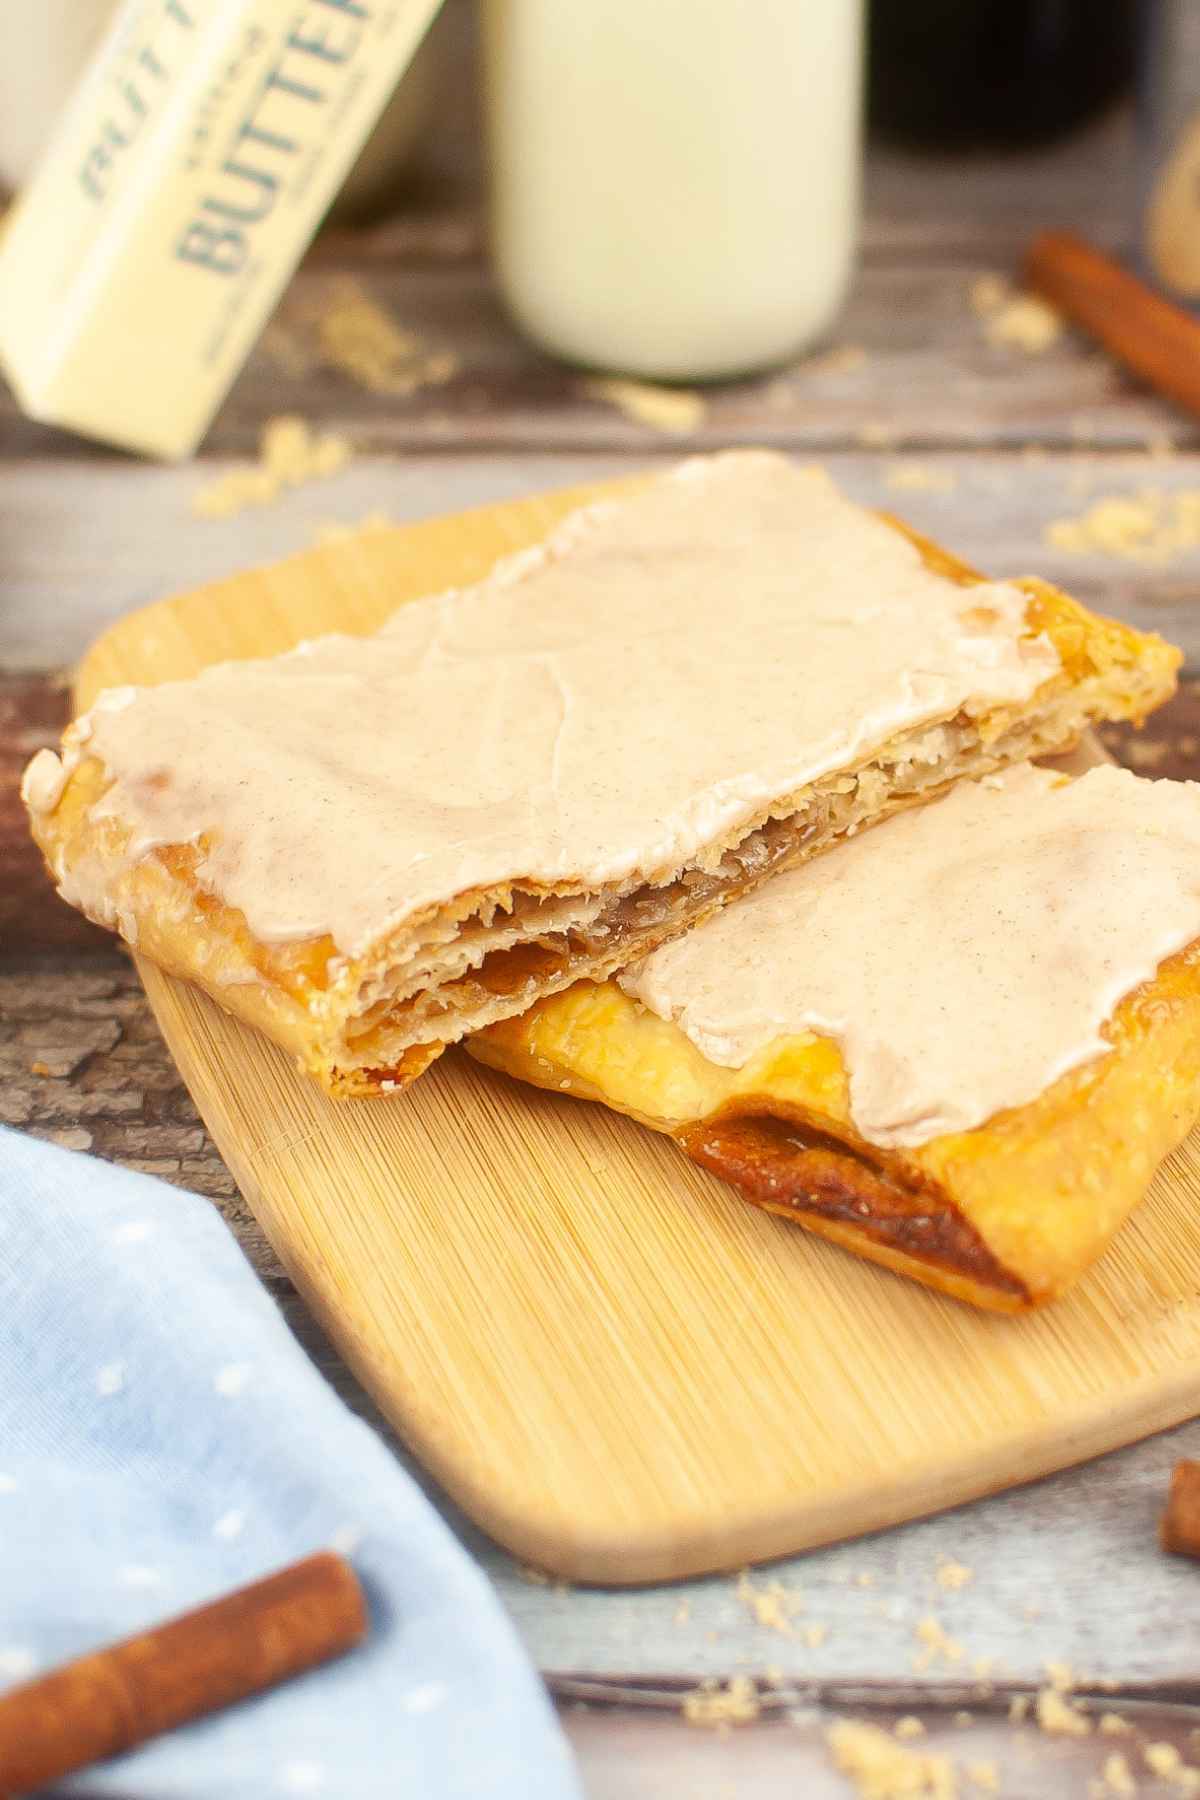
<point>674,182</point>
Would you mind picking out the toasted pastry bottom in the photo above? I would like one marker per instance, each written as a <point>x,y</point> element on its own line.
<point>1005,1216</point>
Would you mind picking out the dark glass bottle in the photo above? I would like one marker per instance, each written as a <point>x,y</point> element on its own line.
<point>959,73</point>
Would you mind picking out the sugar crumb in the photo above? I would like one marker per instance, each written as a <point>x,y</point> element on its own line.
<point>1012,318</point>
<point>1153,526</point>
<point>839,359</point>
<point>920,478</point>
<point>345,328</point>
<point>934,1642</point>
<point>953,1575</point>
<point>719,1707</point>
<point>1118,1776</point>
<point>882,1769</point>
<point>289,454</point>
<point>985,1775</point>
<point>773,1606</point>
<point>675,411</point>
<point>1165,1761</point>
<point>1058,1718</point>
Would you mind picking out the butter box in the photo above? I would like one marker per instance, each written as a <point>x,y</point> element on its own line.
<point>190,170</point>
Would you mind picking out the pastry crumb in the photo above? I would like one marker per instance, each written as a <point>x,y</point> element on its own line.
<point>1117,1775</point>
<point>985,1775</point>
<point>713,1705</point>
<point>934,1642</point>
<point>1018,1709</point>
<point>1153,526</point>
<point>814,1635</point>
<point>963,1718</point>
<point>289,454</point>
<point>675,411</point>
<point>908,1727</point>
<point>882,1769</point>
<point>920,478</point>
<point>1113,1725</point>
<point>839,359</point>
<point>773,1606</point>
<point>953,1575</point>
<point>39,1068</point>
<point>683,1612</point>
<point>345,328</point>
<point>1012,318</point>
<point>876,434</point>
<point>1060,1675</point>
<point>1058,1717</point>
<point>1165,1761</point>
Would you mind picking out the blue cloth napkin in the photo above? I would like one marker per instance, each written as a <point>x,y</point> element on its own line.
<point>164,1439</point>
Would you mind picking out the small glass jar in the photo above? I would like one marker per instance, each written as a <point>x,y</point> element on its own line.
<point>674,183</point>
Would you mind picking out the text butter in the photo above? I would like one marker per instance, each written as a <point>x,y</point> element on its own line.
<point>189,172</point>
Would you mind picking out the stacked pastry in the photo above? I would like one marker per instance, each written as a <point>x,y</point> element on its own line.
<point>952,1015</point>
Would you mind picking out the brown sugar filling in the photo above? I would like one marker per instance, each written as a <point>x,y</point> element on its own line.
<point>792,1167</point>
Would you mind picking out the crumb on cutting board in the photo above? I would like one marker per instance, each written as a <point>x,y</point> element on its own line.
<point>882,1769</point>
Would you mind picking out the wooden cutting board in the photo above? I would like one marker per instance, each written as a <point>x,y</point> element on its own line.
<point>618,1368</point>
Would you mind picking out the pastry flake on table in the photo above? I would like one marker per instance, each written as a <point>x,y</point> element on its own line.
<point>960,1046</point>
<point>370,847</point>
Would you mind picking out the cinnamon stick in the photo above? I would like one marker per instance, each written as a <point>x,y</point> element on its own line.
<point>1179,1529</point>
<point>191,1665</point>
<point>1157,340</point>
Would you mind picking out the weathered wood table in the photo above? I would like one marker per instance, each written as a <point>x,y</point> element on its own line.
<point>983,444</point>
